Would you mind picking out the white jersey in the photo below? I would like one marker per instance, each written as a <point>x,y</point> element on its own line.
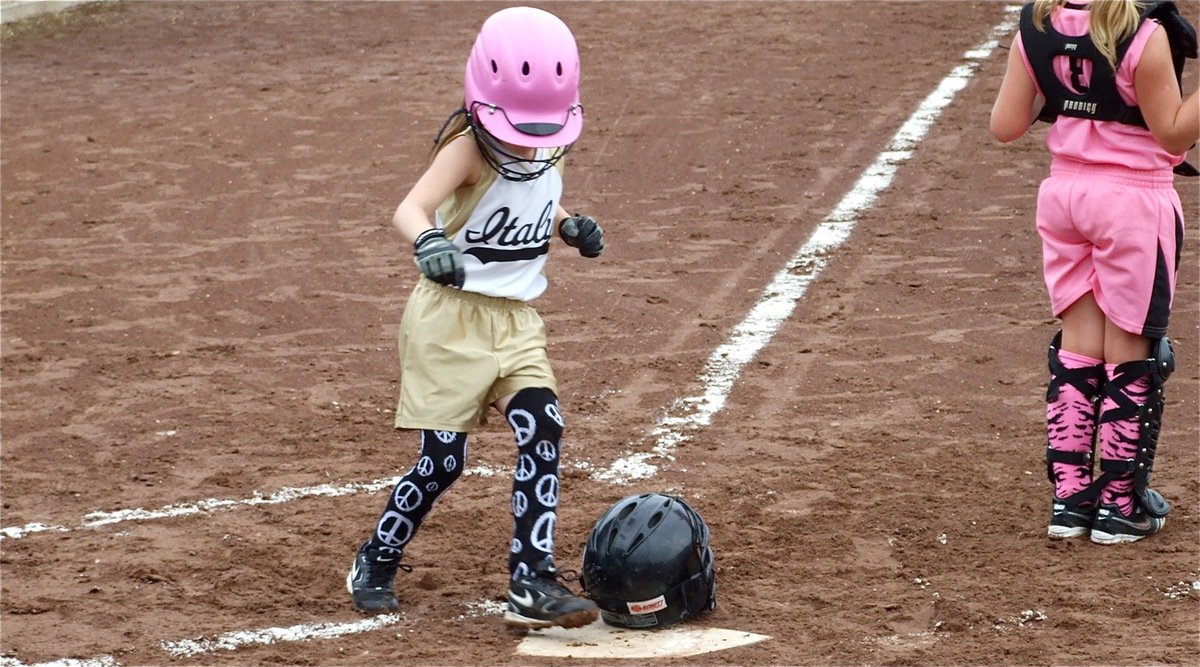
<point>504,230</point>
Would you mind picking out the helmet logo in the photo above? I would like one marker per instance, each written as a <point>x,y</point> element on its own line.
<point>648,606</point>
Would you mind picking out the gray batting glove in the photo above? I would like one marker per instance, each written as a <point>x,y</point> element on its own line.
<point>440,260</point>
<point>581,231</point>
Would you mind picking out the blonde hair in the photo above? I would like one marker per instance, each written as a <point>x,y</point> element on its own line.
<point>1109,22</point>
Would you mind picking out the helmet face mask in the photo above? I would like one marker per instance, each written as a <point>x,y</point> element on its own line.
<point>510,166</point>
<point>648,563</point>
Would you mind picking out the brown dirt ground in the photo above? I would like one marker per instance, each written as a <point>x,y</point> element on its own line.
<point>196,239</point>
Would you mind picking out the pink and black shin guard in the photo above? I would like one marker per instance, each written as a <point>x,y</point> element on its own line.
<point>1071,414</point>
<point>1129,427</point>
<point>1118,441</point>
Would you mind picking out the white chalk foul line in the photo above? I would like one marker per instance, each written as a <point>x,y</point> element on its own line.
<point>101,661</point>
<point>232,640</point>
<point>284,495</point>
<point>688,415</point>
<point>229,641</point>
<point>98,519</point>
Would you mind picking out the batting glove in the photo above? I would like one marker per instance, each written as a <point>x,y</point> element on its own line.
<point>581,231</point>
<point>440,260</point>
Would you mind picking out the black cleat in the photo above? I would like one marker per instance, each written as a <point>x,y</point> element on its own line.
<point>371,580</point>
<point>1112,527</point>
<point>540,601</point>
<point>1070,520</point>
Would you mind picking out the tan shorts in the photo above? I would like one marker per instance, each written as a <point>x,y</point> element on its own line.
<point>462,351</point>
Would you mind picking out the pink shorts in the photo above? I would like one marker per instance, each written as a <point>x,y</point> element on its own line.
<point>1116,233</point>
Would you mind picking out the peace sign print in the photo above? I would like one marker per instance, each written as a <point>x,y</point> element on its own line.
<point>394,529</point>
<point>526,468</point>
<point>546,450</point>
<point>542,537</point>
<point>554,413</point>
<point>521,571</point>
<point>523,425</point>
<point>407,496</point>
<point>520,504</point>
<point>547,491</point>
<point>424,466</point>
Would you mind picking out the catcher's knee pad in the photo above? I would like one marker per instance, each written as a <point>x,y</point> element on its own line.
<point>534,416</point>
<point>1089,382</point>
<point>1148,417</point>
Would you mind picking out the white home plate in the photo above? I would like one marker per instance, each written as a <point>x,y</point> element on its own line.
<point>600,640</point>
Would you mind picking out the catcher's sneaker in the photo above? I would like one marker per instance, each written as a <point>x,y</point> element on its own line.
<point>1112,527</point>
<point>372,579</point>
<point>540,601</point>
<point>1070,520</point>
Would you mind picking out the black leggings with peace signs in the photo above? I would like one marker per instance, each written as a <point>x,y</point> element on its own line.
<point>537,426</point>
<point>443,457</point>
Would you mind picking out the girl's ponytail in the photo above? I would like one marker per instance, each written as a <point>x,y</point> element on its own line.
<point>1110,23</point>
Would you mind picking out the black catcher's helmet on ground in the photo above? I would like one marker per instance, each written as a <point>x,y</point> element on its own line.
<point>648,564</point>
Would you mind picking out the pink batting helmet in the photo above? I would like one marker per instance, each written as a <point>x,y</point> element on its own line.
<point>522,80</point>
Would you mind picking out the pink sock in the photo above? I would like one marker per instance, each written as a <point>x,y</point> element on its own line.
<point>1071,425</point>
<point>1119,440</point>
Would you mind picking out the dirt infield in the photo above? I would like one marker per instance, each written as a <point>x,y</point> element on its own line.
<point>201,292</point>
